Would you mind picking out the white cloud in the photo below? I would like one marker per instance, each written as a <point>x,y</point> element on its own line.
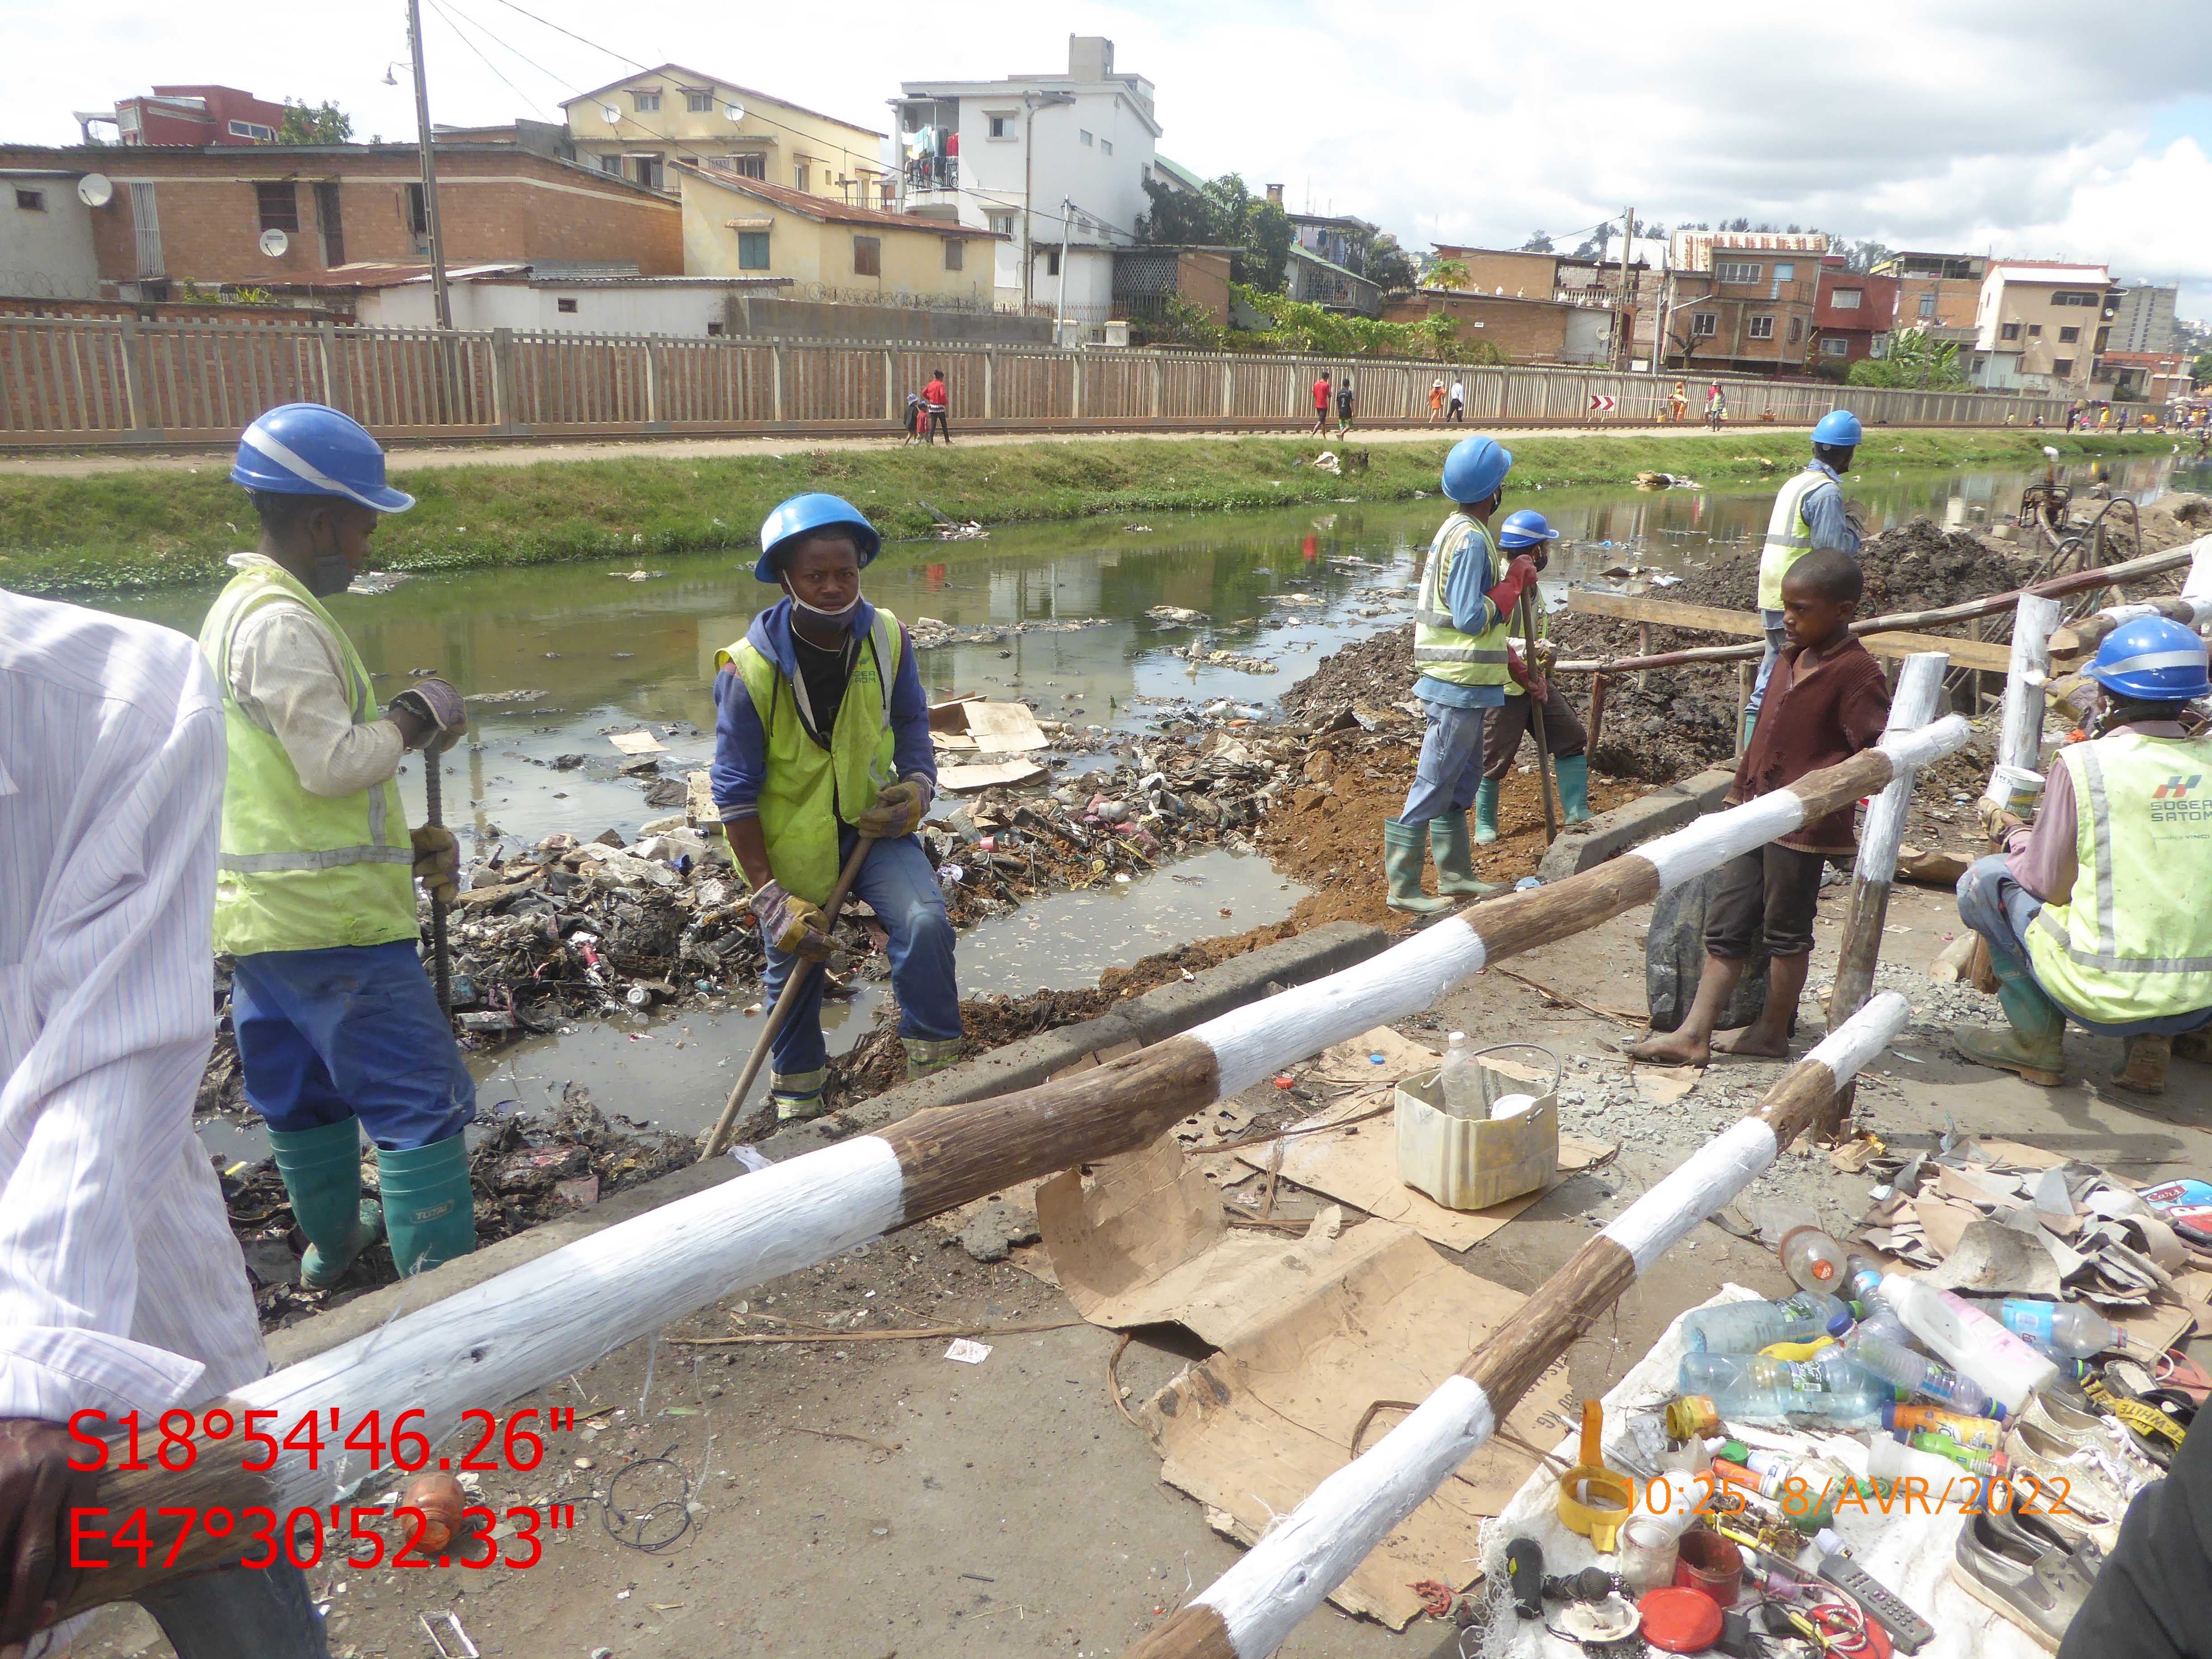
<point>2024,125</point>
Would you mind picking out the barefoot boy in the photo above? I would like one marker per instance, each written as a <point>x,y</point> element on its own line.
<point>1825,701</point>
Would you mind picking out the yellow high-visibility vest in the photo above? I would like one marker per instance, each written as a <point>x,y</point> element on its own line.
<point>1440,650</point>
<point>1788,540</point>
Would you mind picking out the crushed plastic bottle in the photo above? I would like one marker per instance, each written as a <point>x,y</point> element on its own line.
<point>1828,1392</point>
<point>2061,1328</point>
<point>1748,1327</point>
<point>1916,1374</point>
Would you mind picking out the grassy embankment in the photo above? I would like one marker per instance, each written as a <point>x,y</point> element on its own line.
<point>131,530</point>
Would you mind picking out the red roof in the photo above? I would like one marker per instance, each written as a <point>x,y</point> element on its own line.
<point>836,213</point>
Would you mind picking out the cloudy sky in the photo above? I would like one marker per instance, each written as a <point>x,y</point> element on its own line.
<point>2032,128</point>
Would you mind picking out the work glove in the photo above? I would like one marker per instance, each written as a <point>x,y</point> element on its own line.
<point>1996,822</point>
<point>1544,653</point>
<point>1520,576</point>
<point>790,923</point>
<point>1527,678</point>
<point>437,707</point>
<point>437,861</point>
<point>896,811</point>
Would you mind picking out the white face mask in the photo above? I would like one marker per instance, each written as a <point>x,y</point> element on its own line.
<point>842,617</point>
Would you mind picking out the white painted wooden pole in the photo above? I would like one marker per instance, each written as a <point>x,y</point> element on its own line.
<point>499,1339</point>
<point>2027,677</point>
<point>1251,1609</point>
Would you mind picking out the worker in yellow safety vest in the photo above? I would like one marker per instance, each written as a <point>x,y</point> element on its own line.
<point>1530,697</point>
<point>1808,513</point>
<point>338,1028</point>
<point>2098,913</point>
<point>822,737</point>
<point>1460,626</point>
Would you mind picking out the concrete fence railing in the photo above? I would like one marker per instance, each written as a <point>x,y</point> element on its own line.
<point>74,381</point>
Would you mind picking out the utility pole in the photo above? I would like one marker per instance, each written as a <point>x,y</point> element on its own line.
<point>1029,257</point>
<point>443,299</point>
<point>1627,329</point>
<point>1060,300</point>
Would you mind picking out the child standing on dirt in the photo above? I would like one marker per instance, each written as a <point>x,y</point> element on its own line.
<point>1827,701</point>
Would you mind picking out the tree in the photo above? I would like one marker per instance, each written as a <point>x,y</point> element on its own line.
<point>1539,243</point>
<point>1177,219</point>
<point>314,123</point>
<point>1915,362</point>
<point>1389,264</point>
<point>2200,372</point>
<point>1224,214</point>
<point>1446,273</point>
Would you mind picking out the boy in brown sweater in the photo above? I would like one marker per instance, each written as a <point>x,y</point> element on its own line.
<point>1827,701</point>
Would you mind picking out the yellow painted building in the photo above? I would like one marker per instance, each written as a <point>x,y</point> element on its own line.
<point>646,125</point>
<point>740,227</point>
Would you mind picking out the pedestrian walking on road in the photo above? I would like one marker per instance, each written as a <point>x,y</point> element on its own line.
<point>916,420</point>
<point>1679,403</point>
<point>1320,401</point>
<point>933,400</point>
<point>122,1290</point>
<point>1344,405</point>
<point>1435,403</point>
<point>338,1028</point>
<point>1458,409</point>
<point>1716,406</point>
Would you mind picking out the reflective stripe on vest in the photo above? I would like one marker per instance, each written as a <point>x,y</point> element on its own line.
<point>808,790</point>
<point>297,871</point>
<point>2134,940</point>
<point>1440,650</point>
<point>1788,539</point>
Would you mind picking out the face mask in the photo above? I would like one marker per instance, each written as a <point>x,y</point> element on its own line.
<point>842,618</point>
<point>332,573</point>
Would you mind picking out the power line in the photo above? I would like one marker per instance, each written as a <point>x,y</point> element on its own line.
<point>486,61</point>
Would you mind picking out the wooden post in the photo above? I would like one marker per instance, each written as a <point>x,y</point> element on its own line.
<point>1596,723</point>
<point>514,1333</point>
<point>1746,677</point>
<point>2192,608</point>
<point>990,385</point>
<point>1252,1609</point>
<point>1643,649</point>
<point>2020,728</point>
<point>1918,701</point>
<point>502,379</point>
<point>134,381</point>
<point>1527,608</point>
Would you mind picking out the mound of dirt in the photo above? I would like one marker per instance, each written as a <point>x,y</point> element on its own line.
<point>1373,672</point>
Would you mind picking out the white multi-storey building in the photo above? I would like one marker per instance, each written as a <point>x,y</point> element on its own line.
<point>1056,163</point>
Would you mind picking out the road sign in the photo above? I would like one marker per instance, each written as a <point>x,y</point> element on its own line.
<point>1603,403</point>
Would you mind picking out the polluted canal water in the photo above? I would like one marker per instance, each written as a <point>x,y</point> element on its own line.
<point>556,658</point>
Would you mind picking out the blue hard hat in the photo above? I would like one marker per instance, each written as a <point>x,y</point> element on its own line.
<point>1474,469</point>
<point>1525,529</point>
<point>803,513</point>
<point>2152,660</point>
<point>309,449</point>
<point>1838,430</point>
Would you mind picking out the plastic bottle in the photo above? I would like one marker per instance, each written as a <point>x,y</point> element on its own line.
<point>1748,1327</point>
<point>1878,1318</point>
<point>1983,1434</point>
<point>1940,1480</point>
<point>1814,1260</point>
<point>1460,1081</point>
<point>1863,1281</point>
<point>1973,1459</point>
<point>1970,1340</point>
<point>2060,1327</point>
<point>1915,1373</point>
<point>1828,1391</point>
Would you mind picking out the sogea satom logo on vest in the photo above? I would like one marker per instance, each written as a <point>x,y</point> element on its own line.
<point>2171,802</point>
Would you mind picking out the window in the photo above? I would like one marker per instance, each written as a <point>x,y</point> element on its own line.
<point>799,177</point>
<point>1981,364</point>
<point>956,254</point>
<point>751,166</point>
<point>868,256</point>
<point>648,171</point>
<point>278,206</point>
<point>2009,331</point>
<point>1052,262</point>
<point>1834,346</point>
<point>1002,126</point>
<point>1732,271</point>
<point>611,164</point>
<point>2068,336</point>
<point>1762,328</point>
<point>2075,297</point>
<point>1704,324</point>
<point>713,328</point>
<point>752,250</point>
<point>566,307</point>
<point>645,103</point>
<point>1846,299</point>
<point>2035,331</point>
<point>1084,135</point>
<point>31,201</point>
<point>2062,368</point>
<point>1003,223</point>
<point>1797,330</point>
<point>418,216</point>
<point>1785,272</point>
<point>1927,305</point>
<point>699,103</point>
<point>253,130</point>
<point>1106,146</point>
<point>333,225</point>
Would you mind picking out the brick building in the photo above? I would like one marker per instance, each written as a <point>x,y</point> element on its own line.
<point>188,115</point>
<point>1743,299</point>
<point>1527,331</point>
<point>201,216</point>
<point>1936,291</point>
<point>1852,315</point>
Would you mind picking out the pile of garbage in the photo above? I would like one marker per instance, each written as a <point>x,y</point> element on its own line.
<point>1878,1438</point>
<point>522,1171</point>
<point>928,632</point>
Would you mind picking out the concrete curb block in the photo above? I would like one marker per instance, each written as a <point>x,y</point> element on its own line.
<point>1159,1013</point>
<point>1611,834</point>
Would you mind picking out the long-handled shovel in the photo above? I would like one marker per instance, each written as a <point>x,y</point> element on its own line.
<point>1536,724</point>
<point>718,1141</point>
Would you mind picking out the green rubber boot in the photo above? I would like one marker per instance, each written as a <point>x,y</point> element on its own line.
<point>1454,857</point>
<point>1405,847</point>
<point>924,1057</point>
<point>321,1168</point>
<point>1750,726</point>
<point>2033,1042</point>
<point>428,1209</point>
<point>1485,812</point>
<point>799,1096</point>
<point>1573,773</point>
